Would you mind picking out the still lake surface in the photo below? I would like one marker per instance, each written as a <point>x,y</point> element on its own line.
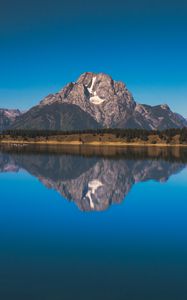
<point>93,223</point>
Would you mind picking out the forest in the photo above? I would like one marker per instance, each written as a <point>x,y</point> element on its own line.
<point>127,135</point>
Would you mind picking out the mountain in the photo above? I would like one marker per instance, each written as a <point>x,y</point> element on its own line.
<point>8,117</point>
<point>158,117</point>
<point>98,97</point>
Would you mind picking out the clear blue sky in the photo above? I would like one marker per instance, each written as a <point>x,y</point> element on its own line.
<point>45,44</point>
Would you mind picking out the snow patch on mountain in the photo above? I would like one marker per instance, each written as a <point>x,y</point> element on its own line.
<point>92,85</point>
<point>96,99</point>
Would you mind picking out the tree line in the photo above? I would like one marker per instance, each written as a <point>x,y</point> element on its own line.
<point>127,134</point>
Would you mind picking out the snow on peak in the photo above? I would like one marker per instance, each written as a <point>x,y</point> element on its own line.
<point>96,100</point>
<point>164,106</point>
<point>92,85</point>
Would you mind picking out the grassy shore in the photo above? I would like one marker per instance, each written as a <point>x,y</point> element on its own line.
<point>93,140</point>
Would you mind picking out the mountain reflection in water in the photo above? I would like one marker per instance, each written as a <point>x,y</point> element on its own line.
<point>94,178</point>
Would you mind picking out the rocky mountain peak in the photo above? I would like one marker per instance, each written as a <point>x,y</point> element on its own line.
<point>10,112</point>
<point>101,81</point>
<point>106,100</point>
<point>86,78</point>
<point>109,103</point>
<point>165,106</point>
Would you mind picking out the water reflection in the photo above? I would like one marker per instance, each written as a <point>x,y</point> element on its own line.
<point>94,178</point>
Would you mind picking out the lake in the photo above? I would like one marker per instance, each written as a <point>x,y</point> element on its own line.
<point>93,223</point>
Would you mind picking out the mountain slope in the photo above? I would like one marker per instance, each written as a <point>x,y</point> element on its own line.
<point>56,116</point>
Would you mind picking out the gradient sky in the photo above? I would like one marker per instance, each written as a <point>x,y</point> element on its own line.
<point>46,44</point>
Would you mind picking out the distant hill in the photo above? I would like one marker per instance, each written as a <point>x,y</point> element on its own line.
<point>8,117</point>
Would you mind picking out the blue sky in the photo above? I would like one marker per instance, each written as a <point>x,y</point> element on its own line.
<point>45,44</point>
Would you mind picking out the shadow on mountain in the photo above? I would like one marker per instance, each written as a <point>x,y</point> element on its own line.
<point>94,178</point>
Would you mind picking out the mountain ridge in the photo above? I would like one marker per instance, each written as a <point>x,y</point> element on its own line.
<point>101,102</point>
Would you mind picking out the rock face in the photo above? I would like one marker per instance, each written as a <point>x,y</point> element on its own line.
<point>7,117</point>
<point>107,102</point>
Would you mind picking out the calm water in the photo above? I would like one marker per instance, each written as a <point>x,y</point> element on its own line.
<point>89,223</point>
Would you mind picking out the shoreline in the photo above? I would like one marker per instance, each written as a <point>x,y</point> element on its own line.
<point>95,144</point>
